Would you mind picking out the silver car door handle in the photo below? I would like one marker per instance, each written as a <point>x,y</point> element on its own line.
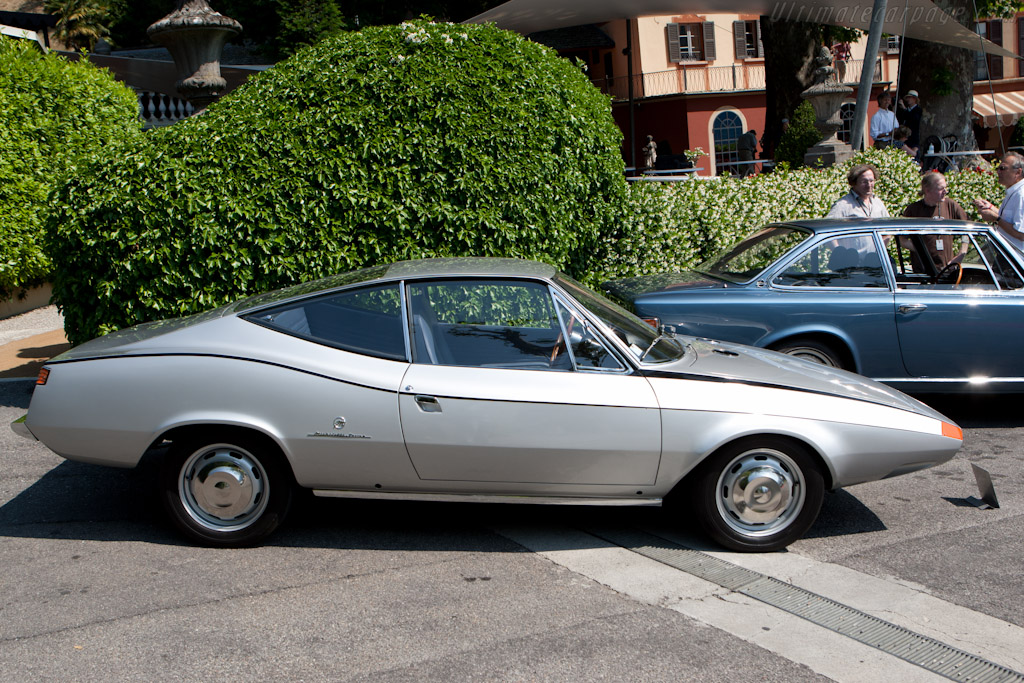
<point>427,404</point>
<point>911,308</point>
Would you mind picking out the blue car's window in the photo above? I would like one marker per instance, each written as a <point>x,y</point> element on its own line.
<point>486,323</point>
<point>747,259</point>
<point>1006,275</point>
<point>843,262</point>
<point>366,321</point>
<point>943,260</point>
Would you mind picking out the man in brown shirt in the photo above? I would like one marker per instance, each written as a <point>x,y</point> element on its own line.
<point>933,202</point>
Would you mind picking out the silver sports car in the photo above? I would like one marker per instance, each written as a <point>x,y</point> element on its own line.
<point>472,380</point>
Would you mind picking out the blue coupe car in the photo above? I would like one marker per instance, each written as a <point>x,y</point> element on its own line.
<point>927,306</point>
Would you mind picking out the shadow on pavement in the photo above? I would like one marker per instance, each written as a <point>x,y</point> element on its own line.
<point>978,410</point>
<point>90,502</point>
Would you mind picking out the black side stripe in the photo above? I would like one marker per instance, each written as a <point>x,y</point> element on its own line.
<point>228,357</point>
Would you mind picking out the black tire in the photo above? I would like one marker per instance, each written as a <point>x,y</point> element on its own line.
<point>758,494</point>
<point>226,488</point>
<point>812,350</point>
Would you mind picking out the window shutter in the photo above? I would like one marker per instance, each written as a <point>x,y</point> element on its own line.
<point>708,30</point>
<point>673,43</point>
<point>760,45</point>
<point>1020,46</point>
<point>995,62</point>
<point>739,36</point>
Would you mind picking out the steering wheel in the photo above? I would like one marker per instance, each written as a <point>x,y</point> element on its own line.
<point>946,275</point>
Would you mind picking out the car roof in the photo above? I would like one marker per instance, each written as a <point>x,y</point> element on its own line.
<point>830,225</point>
<point>465,266</point>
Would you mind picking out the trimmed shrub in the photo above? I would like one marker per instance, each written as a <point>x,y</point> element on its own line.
<point>801,136</point>
<point>673,227</point>
<point>385,144</point>
<point>53,112</point>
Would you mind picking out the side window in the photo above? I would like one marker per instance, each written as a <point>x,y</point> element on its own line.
<point>1006,275</point>
<point>942,261</point>
<point>486,324</point>
<point>366,321</point>
<point>843,262</point>
<point>588,351</point>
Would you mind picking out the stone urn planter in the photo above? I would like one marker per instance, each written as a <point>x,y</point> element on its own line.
<point>826,96</point>
<point>195,35</point>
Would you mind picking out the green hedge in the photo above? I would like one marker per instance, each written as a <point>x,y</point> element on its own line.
<point>52,111</point>
<point>673,226</point>
<point>385,144</point>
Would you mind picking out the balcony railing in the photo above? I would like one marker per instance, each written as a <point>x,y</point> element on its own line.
<point>704,79</point>
<point>158,109</point>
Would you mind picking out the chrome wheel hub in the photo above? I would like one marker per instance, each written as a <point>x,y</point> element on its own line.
<point>223,487</point>
<point>760,492</point>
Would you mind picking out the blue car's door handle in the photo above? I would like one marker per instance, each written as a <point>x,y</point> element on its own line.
<point>911,308</point>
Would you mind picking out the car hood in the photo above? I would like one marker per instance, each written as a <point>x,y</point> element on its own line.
<point>631,288</point>
<point>726,361</point>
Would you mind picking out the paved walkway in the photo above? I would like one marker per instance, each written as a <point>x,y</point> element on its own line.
<point>28,340</point>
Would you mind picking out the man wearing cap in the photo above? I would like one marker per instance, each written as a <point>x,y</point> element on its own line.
<point>910,116</point>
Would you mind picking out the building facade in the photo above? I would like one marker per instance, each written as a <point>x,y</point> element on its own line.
<point>699,81</point>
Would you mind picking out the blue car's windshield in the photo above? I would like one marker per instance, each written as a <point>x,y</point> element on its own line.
<point>747,259</point>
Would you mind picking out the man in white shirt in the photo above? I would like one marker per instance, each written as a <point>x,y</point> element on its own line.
<point>1009,217</point>
<point>861,201</point>
<point>883,122</point>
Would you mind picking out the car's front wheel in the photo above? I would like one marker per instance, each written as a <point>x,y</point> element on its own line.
<point>758,495</point>
<point>225,490</point>
<point>812,350</point>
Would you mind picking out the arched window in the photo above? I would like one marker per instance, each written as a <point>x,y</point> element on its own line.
<point>726,130</point>
<point>846,114</point>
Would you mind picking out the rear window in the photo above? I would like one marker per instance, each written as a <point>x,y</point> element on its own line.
<point>366,321</point>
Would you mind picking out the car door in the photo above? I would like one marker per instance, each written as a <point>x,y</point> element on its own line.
<point>964,323</point>
<point>339,416</point>
<point>496,394</point>
<point>838,287</point>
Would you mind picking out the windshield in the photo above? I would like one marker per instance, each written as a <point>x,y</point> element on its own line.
<point>747,259</point>
<point>644,342</point>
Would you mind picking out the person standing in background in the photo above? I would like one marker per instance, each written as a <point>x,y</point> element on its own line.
<point>883,122</point>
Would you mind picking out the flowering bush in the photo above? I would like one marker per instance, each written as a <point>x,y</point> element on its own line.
<point>674,226</point>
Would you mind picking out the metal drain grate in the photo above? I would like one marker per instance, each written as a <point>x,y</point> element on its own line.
<point>915,648</point>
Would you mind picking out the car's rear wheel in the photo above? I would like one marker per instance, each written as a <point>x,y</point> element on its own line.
<point>758,494</point>
<point>226,490</point>
<point>812,350</point>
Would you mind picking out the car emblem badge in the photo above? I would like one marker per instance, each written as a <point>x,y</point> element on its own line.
<point>339,424</point>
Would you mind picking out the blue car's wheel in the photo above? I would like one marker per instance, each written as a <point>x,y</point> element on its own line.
<point>759,494</point>
<point>228,492</point>
<point>812,350</point>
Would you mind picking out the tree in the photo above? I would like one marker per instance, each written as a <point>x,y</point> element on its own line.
<point>789,48</point>
<point>305,22</point>
<point>944,76</point>
<point>80,23</point>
